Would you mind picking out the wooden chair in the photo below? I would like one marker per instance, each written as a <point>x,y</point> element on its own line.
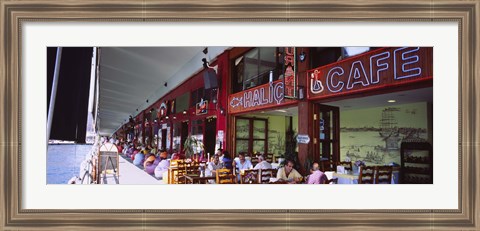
<point>383,175</point>
<point>254,159</point>
<point>326,165</point>
<point>346,164</point>
<point>266,174</point>
<point>269,157</point>
<point>225,176</point>
<point>331,181</point>
<point>173,171</point>
<point>180,172</point>
<point>250,176</point>
<point>367,175</point>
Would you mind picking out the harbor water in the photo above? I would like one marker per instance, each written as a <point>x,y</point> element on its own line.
<point>63,161</point>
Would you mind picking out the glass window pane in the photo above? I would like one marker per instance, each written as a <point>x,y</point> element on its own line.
<point>242,128</point>
<point>251,68</point>
<point>259,129</point>
<point>258,146</point>
<point>241,146</point>
<point>267,59</point>
<point>182,102</point>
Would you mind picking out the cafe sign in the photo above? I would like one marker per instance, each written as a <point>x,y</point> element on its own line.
<point>263,96</point>
<point>290,78</point>
<point>373,70</point>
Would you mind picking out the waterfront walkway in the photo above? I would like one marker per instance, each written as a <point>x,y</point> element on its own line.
<point>130,175</point>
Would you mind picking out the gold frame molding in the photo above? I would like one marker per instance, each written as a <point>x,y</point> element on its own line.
<point>15,12</point>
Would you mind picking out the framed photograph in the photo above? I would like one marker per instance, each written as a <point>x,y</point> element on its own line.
<point>451,27</point>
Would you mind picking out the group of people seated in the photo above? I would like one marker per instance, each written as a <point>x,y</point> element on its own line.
<point>152,161</point>
<point>287,173</point>
<point>158,162</point>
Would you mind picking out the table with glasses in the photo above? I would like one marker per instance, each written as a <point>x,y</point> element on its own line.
<point>352,177</point>
<point>198,179</point>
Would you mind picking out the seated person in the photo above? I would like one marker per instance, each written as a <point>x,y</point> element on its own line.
<point>241,164</point>
<point>162,167</point>
<point>288,173</point>
<point>262,163</point>
<point>135,152</point>
<point>148,163</point>
<point>227,160</point>
<point>178,156</point>
<point>316,176</point>
<point>138,158</point>
<point>213,165</point>
<point>219,153</point>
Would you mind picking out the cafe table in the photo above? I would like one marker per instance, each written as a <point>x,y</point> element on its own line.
<point>352,178</point>
<point>197,179</point>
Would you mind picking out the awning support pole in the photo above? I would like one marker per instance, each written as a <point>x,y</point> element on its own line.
<point>54,92</point>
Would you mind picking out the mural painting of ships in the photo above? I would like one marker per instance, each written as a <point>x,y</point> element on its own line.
<point>389,131</point>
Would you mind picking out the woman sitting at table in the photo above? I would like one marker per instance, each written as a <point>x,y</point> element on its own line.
<point>288,173</point>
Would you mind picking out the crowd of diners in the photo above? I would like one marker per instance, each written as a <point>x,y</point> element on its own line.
<point>157,163</point>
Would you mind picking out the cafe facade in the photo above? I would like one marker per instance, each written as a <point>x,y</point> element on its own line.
<point>304,103</point>
<point>314,104</point>
<point>196,108</point>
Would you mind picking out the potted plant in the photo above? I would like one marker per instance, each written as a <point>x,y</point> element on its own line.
<point>190,145</point>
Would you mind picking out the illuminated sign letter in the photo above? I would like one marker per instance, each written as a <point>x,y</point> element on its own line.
<point>289,56</point>
<point>278,92</point>
<point>378,62</point>
<point>357,72</point>
<point>330,85</point>
<point>247,99</point>
<point>408,57</point>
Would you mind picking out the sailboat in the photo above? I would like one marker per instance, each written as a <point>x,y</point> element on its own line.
<point>388,128</point>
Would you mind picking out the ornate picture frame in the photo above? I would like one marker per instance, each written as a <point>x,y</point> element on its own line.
<point>15,13</point>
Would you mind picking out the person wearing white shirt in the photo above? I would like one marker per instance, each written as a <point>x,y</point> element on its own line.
<point>262,163</point>
<point>213,165</point>
<point>241,163</point>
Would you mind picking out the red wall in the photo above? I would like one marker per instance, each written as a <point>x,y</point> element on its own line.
<point>193,83</point>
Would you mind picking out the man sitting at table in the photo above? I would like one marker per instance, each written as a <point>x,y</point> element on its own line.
<point>241,164</point>
<point>262,163</point>
<point>213,165</point>
<point>288,173</point>
<point>317,176</point>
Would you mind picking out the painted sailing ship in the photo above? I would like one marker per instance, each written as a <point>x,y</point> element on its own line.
<point>388,129</point>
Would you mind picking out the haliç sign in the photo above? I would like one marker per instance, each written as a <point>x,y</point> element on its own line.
<point>263,96</point>
<point>373,70</point>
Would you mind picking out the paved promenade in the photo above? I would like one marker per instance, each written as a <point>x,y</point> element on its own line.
<point>130,175</point>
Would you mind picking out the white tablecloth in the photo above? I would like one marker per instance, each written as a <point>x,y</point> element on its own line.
<point>353,178</point>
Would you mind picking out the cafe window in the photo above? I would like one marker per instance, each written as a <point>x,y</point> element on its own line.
<point>253,68</point>
<point>177,135</point>
<point>182,102</point>
<point>201,93</point>
<point>321,56</point>
<point>197,132</point>
<point>251,135</point>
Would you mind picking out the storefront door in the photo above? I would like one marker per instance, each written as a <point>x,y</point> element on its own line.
<point>327,132</point>
<point>210,135</point>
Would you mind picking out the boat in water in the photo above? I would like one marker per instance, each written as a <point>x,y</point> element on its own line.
<point>389,131</point>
